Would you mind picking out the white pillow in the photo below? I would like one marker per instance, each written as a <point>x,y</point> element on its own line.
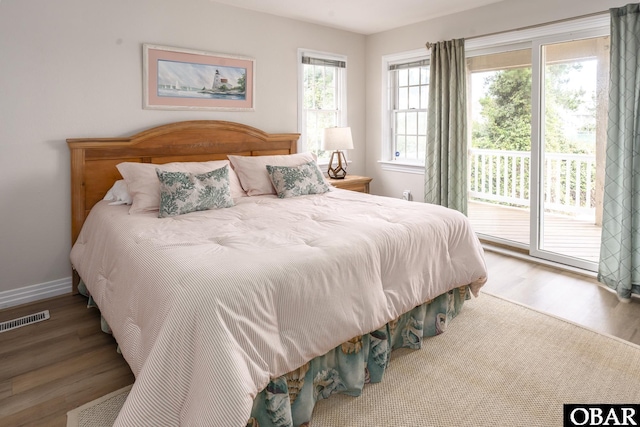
<point>144,186</point>
<point>252,170</point>
<point>118,194</point>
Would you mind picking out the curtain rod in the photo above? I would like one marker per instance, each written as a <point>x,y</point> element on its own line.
<point>429,45</point>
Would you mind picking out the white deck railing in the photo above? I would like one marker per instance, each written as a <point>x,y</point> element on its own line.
<point>503,177</point>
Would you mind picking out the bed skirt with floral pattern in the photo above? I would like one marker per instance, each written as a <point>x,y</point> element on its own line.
<point>289,400</point>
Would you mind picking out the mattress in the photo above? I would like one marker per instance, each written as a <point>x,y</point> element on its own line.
<point>208,307</point>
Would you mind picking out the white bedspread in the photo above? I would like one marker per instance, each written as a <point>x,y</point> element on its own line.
<point>208,306</point>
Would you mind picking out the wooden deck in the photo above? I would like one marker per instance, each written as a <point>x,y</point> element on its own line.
<point>563,234</point>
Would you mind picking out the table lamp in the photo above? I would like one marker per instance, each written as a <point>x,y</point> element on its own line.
<point>337,139</point>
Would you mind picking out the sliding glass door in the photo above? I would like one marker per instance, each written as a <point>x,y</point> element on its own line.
<point>537,144</point>
<point>571,139</point>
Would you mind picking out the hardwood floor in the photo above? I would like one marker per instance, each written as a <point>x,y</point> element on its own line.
<point>564,294</point>
<point>51,367</point>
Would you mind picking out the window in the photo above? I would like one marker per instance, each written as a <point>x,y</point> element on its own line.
<point>323,98</point>
<point>406,115</point>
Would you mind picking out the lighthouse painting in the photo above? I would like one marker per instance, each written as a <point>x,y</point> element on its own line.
<point>189,80</point>
<point>183,79</point>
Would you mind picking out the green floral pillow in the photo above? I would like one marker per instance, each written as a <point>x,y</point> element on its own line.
<point>183,192</point>
<point>292,181</point>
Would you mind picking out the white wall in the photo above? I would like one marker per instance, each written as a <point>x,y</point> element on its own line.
<point>497,17</point>
<point>73,68</point>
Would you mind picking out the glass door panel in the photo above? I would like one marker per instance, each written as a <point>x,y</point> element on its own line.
<point>573,119</point>
<point>499,90</point>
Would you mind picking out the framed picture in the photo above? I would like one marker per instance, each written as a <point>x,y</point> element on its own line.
<point>181,79</point>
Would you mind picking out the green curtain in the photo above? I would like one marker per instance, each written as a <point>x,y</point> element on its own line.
<point>445,175</point>
<point>620,250</point>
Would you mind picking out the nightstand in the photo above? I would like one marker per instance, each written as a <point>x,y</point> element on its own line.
<point>353,183</point>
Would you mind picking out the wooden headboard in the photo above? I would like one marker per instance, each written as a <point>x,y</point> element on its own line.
<point>94,160</point>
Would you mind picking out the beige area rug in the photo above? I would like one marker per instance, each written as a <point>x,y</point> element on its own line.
<point>100,412</point>
<point>498,364</point>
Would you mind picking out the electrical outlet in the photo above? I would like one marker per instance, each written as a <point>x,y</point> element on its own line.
<point>406,195</point>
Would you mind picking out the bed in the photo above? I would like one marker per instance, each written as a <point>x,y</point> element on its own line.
<point>250,312</point>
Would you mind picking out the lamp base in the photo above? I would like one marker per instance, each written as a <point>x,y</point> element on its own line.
<point>340,170</point>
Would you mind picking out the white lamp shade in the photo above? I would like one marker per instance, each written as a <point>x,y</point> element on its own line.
<point>337,139</point>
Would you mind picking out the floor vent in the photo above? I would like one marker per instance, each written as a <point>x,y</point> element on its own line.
<point>24,321</point>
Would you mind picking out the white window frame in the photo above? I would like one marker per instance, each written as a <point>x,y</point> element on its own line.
<point>340,94</point>
<point>388,161</point>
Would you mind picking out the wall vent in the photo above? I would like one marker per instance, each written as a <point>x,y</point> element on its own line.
<point>24,321</point>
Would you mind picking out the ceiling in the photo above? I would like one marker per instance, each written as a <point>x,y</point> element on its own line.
<point>359,16</point>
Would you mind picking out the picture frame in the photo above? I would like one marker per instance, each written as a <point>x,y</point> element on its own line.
<point>184,79</point>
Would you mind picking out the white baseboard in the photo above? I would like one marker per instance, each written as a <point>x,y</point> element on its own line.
<point>37,292</point>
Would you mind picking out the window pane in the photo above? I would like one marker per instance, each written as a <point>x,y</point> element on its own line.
<point>414,76</point>
<point>403,77</point>
<point>401,127</point>
<point>328,78</point>
<point>319,87</point>
<point>422,123</point>
<point>400,147</point>
<point>403,98</point>
<point>414,97</point>
<point>327,119</point>
<point>412,147</point>
<point>310,131</point>
<point>311,117</point>
<point>308,85</point>
<point>412,123</point>
<point>424,75</point>
<point>424,97</point>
